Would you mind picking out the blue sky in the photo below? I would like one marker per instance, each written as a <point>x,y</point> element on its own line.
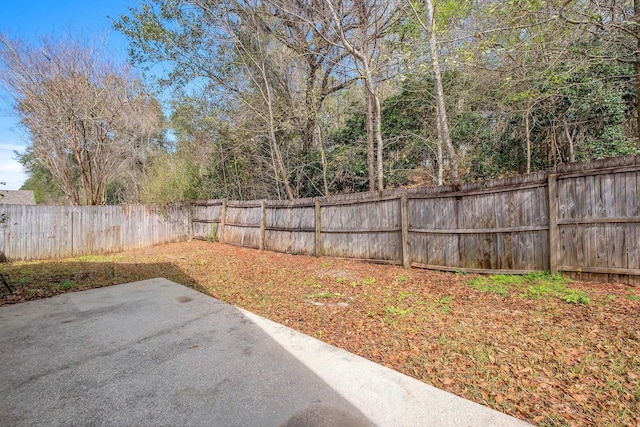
<point>32,19</point>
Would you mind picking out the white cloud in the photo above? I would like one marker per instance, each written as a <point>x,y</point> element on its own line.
<point>11,172</point>
<point>11,148</point>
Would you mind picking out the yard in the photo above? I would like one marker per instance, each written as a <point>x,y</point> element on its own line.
<point>540,348</point>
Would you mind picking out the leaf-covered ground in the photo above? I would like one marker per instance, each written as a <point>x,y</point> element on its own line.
<point>547,352</point>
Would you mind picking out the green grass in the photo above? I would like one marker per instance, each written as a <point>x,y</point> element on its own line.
<point>95,258</point>
<point>397,311</point>
<point>67,285</point>
<point>444,304</point>
<point>402,278</point>
<point>497,284</point>
<point>325,294</point>
<point>531,286</point>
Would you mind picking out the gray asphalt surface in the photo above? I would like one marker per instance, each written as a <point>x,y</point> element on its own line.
<point>155,353</point>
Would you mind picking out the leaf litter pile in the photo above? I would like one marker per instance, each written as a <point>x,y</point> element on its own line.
<point>538,347</point>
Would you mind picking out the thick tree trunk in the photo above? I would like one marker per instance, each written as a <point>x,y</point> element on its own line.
<point>371,95</point>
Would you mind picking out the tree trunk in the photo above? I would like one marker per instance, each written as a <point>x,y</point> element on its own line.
<point>527,132</point>
<point>312,114</point>
<point>441,110</point>
<point>323,156</point>
<point>276,171</point>
<point>636,13</point>
<point>570,138</point>
<point>379,143</point>
<point>272,136</point>
<point>440,155</point>
<point>371,96</point>
<point>370,141</point>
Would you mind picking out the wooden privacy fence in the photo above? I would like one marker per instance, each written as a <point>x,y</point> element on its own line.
<point>42,232</point>
<point>580,219</point>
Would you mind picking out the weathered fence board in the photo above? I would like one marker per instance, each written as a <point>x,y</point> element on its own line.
<point>41,232</point>
<point>503,229</point>
<point>290,228</point>
<point>599,223</point>
<point>205,219</point>
<point>242,224</point>
<point>365,229</point>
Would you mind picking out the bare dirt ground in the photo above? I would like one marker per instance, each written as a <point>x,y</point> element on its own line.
<point>547,357</point>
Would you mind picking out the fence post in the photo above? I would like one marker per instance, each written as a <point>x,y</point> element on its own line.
<point>73,237</point>
<point>404,218</point>
<point>318,221</point>
<point>223,219</point>
<point>553,223</point>
<point>263,224</point>
<point>190,221</point>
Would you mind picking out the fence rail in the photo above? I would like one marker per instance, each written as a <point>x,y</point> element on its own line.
<point>579,219</point>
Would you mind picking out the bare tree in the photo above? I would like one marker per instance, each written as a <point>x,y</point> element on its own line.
<point>89,119</point>
<point>444,136</point>
<point>361,26</point>
<point>317,46</point>
<point>246,41</point>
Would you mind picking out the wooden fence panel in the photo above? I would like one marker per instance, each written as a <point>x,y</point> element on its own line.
<point>429,219</point>
<point>175,223</point>
<point>44,232</point>
<point>242,225</point>
<point>205,219</point>
<point>88,229</point>
<point>599,223</point>
<point>290,229</point>
<point>499,230</point>
<point>363,229</point>
<point>31,233</point>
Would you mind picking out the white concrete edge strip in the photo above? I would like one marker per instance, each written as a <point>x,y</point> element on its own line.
<point>385,396</point>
